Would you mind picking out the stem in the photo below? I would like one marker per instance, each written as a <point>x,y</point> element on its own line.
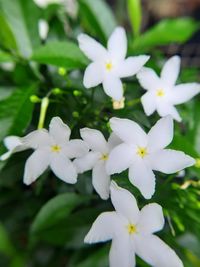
<point>43,111</point>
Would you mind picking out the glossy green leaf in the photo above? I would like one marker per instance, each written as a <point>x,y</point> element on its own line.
<point>16,111</point>
<point>61,54</point>
<point>98,18</point>
<point>166,32</point>
<point>135,15</point>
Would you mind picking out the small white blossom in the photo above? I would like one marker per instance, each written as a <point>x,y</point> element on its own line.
<point>52,149</point>
<point>45,3</point>
<point>43,28</point>
<point>96,159</point>
<point>132,232</point>
<point>142,153</point>
<point>109,65</point>
<point>162,92</point>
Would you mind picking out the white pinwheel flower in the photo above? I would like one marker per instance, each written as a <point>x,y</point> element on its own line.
<point>109,65</point>
<point>162,92</point>
<point>96,159</point>
<point>142,153</point>
<point>132,232</point>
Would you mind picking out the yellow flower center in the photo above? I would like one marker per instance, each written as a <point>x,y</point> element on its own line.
<point>160,92</point>
<point>55,148</point>
<point>131,229</point>
<point>142,152</point>
<point>109,66</point>
<point>104,157</point>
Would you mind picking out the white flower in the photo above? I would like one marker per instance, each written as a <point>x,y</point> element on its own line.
<point>96,159</point>
<point>45,3</point>
<point>52,149</point>
<point>142,153</point>
<point>109,65</point>
<point>132,232</point>
<point>43,28</point>
<point>162,92</point>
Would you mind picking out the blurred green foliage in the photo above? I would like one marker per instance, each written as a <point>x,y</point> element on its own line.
<point>45,224</point>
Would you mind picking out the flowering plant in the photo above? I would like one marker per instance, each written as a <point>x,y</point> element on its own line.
<point>86,155</point>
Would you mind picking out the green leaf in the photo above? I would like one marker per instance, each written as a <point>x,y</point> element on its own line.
<point>61,54</point>
<point>166,32</point>
<point>6,246</point>
<point>56,210</point>
<point>135,15</point>
<point>16,111</point>
<point>98,18</point>
<point>22,18</point>
<point>5,57</point>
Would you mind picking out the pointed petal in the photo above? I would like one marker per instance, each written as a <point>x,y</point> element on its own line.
<point>129,131</point>
<point>37,139</point>
<point>151,219</point>
<point>171,69</point>
<point>113,87</point>
<point>113,141</point>
<point>170,161</point>
<point>121,253</point>
<point>63,168</point>
<point>117,44</point>
<point>59,130</point>
<point>101,180</point>
<point>148,103</point>
<point>93,75</point>
<point>120,159</point>
<point>155,252</point>
<point>95,140</point>
<point>131,66</point>
<point>148,79</point>
<point>35,165</point>
<point>12,141</point>
<point>87,162</point>
<point>165,109</point>
<point>184,92</point>
<point>143,178</point>
<point>161,134</point>
<point>103,228</point>
<point>124,202</point>
<point>75,148</point>
<point>91,48</point>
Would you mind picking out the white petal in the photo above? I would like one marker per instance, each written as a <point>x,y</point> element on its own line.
<point>87,162</point>
<point>148,103</point>
<point>113,87</point>
<point>91,48</point>
<point>37,139</point>
<point>59,130</point>
<point>131,66</point>
<point>143,178</point>
<point>170,161</point>
<point>165,109</point>
<point>63,168</point>
<point>113,141</point>
<point>35,165</point>
<point>156,253</point>
<point>103,228</point>
<point>117,44</point>
<point>120,159</point>
<point>161,134</point>
<point>101,180</point>
<point>93,75</point>
<point>129,131</point>
<point>11,142</point>
<point>76,148</point>
<point>148,79</point>
<point>121,253</point>
<point>94,139</point>
<point>151,219</point>
<point>124,202</point>
<point>184,92</point>
<point>171,70</point>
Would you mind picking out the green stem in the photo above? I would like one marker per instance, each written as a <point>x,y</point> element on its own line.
<point>43,111</point>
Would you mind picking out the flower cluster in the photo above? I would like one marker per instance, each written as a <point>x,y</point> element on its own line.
<point>128,147</point>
